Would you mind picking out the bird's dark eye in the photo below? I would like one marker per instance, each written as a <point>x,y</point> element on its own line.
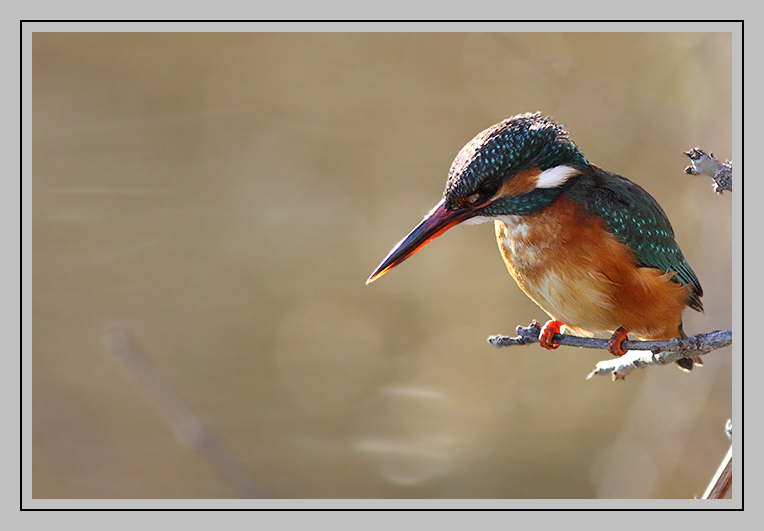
<point>488,189</point>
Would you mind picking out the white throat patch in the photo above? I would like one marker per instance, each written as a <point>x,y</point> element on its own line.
<point>477,220</point>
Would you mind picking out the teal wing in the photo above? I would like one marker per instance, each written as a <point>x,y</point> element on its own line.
<point>636,218</point>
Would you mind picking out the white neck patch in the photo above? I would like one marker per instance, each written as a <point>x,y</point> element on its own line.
<point>554,177</point>
<point>477,220</point>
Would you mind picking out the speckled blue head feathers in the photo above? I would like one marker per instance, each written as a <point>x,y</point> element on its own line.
<point>501,151</point>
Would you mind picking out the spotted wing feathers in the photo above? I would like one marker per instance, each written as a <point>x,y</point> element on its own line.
<point>636,218</point>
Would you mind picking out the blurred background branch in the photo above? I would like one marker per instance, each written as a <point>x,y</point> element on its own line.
<point>189,428</point>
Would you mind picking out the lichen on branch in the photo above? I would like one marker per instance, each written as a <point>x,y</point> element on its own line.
<point>720,172</point>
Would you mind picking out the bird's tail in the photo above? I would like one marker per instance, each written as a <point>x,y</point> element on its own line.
<point>686,364</point>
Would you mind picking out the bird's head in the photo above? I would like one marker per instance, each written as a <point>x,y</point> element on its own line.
<point>516,167</point>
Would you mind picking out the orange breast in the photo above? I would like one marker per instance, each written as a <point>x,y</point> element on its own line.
<point>577,272</point>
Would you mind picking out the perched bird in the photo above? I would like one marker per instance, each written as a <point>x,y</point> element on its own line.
<point>594,250</point>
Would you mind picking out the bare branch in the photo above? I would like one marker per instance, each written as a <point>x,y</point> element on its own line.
<point>720,172</point>
<point>643,353</point>
<point>722,480</point>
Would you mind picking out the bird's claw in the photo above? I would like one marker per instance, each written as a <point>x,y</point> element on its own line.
<point>547,332</point>
<point>614,343</point>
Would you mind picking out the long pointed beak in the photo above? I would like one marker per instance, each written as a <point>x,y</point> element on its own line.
<point>438,221</point>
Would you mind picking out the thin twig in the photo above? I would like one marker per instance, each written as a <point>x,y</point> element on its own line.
<point>722,480</point>
<point>720,172</point>
<point>644,353</point>
<point>189,428</point>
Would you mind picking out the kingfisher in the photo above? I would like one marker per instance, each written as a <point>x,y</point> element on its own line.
<point>592,249</point>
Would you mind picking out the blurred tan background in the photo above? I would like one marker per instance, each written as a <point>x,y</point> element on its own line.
<point>225,197</point>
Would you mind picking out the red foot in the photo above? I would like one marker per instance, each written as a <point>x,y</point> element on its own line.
<point>614,343</point>
<point>547,332</point>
